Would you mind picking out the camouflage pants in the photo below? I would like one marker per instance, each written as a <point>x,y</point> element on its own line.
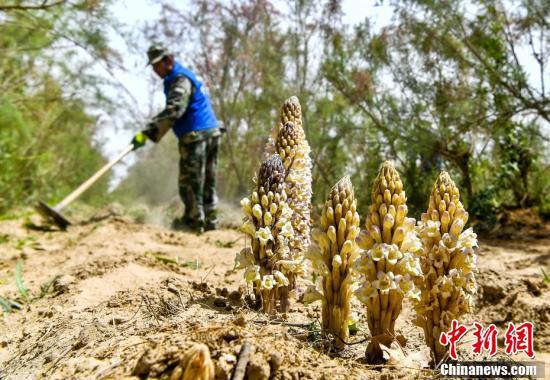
<point>197,178</point>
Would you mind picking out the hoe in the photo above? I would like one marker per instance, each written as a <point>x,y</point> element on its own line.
<point>53,214</point>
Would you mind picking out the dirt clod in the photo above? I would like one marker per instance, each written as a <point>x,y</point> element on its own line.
<point>240,320</point>
<point>62,283</point>
<point>202,287</point>
<point>48,313</point>
<point>258,368</point>
<point>533,287</point>
<point>235,296</point>
<point>231,336</point>
<point>220,302</point>
<point>275,361</point>
<point>224,366</point>
<point>222,292</point>
<point>87,336</point>
<point>144,364</point>
<point>492,293</point>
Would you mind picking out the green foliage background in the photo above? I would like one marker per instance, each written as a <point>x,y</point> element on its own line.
<point>443,86</point>
<point>46,91</point>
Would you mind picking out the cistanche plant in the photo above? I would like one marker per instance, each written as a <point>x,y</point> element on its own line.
<point>288,140</point>
<point>389,265</point>
<point>268,224</point>
<point>448,263</point>
<point>333,253</point>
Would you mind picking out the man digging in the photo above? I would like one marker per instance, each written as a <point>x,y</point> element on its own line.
<point>190,115</point>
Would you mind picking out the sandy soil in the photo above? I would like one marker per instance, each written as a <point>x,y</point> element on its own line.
<point>107,304</point>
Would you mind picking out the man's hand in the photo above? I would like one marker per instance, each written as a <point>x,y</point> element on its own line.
<point>139,140</point>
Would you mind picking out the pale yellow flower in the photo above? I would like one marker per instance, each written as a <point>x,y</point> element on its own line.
<point>300,268</point>
<point>331,233</point>
<point>469,262</point>
<point>393,254</point>
<point>287,230</point>
<point>414,294</point>
<point>268,218</point>
<point>268,282</point>
<point>445,285</point>
<point>412,265</point>
<point>264,201</point>
<point>447,242</point>
<point>252,273</point>
<point>280,278</point>
<point>365,265</point>
<point>457,277</point>
<point>264,235</point>
<point>257,211</point>
<point>366,292</point>
<point>471,285</point>
<point>385,282</point>
<point>299,165</point>
<point>294,266</point>
<point>467,240</point>
<point>409,224</point>
<point>336,262</point>
<point>248,228</point>
<point>465,302</point>
<point>273,208</point>
<point>281,247</point>
<point>286,211</point>
<point>430,228</point>
<point>247,206</point>
<point>439,256</point>
<point>378,252</point>
<point>411,243</point>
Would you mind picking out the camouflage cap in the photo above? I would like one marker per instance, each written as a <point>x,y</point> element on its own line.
<point>156,52</point>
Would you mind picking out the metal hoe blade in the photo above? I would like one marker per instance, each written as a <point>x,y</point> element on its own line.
<point>52,215</point>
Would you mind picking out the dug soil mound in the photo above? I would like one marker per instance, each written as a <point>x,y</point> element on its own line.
<point>115,299</point>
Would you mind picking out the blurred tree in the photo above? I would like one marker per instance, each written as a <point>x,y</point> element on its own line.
<point>46,89</point>
<point>443,84</point>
